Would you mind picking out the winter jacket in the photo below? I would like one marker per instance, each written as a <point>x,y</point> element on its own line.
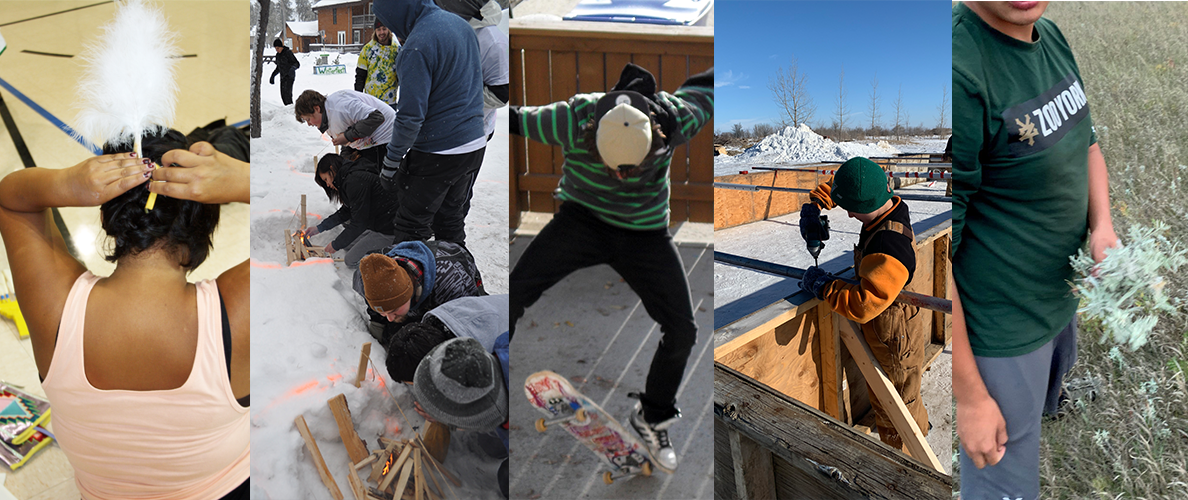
<point>441,87</point>
<point>286,64</point>
<point>365,120</point>
<point>481,318</point>
<point>365,205</point>
<point>443,271</point>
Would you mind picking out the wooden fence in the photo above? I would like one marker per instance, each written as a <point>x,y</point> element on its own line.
<point>552,61</point>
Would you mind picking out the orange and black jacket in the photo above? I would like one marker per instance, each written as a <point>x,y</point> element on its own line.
<point>888,260</point>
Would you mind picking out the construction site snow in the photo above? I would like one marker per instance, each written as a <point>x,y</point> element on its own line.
<point>799,145</point>
<point>308,325</point>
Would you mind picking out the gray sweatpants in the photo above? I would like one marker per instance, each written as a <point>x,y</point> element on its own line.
<point>1025,388</point>
<point>367,243</point>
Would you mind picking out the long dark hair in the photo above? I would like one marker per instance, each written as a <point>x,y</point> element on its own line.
<point>182,227</point>
<point>329,165</point>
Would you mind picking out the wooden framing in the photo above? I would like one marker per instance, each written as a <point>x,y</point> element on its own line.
<point>809,355</point>
<point>733,207</point>
<point>552,61</point>
<point>346,428</point>
<point>812,455</point>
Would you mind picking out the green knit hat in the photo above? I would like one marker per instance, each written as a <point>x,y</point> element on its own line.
<point>860,186</point>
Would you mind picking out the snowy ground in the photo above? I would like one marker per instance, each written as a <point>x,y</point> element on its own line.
<point>308,325</point>
<point>740,292</point>
<point>800,145</point>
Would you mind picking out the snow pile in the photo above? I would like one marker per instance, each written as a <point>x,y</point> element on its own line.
<point>308,325</point>
<point>802,145</point>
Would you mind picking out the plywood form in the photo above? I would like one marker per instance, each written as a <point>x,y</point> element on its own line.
<point>806,438</point>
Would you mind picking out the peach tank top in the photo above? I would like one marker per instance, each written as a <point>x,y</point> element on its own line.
<point>186,443</point>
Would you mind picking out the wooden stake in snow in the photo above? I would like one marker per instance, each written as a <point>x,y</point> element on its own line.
<point>363,364</point>
<point>121,107</point>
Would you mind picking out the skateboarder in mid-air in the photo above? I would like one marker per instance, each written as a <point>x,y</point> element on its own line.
<point>614,193</point>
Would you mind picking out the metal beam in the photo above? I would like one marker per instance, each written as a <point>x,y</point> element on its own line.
<point>906,297</point>
<point>750,187</point>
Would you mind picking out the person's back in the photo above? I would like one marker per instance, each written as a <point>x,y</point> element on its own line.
<point>441,101</point>
<point>114,413</point>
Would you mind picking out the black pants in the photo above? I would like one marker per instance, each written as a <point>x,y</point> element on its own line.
<point>287,86</point>
<point>433,191</point>
<point>647,260</point>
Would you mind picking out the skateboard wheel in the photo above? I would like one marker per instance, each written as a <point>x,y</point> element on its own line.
<point>580,416</point>
<point>647,468</point>
<point>606,478</point>
<point>540,425</point>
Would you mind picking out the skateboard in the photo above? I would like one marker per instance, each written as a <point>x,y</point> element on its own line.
<point>555,397</point>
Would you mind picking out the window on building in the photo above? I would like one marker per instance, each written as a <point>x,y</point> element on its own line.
<point>357,35</point>
<point>334,12</point>
<point>342,38</point>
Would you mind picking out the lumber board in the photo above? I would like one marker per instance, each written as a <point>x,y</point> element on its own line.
<point>747,329</point>
<point>357,487</point>
<point>319,462</point>
<point>786,359</point>
<point>754,477</point>
<point>831,367</point>
<point>892,404</point>
<point>355,447</point>
<point>418,475</point>
<point>942,324</point>
<point>402,483</point>
<point>363,357</point>
<point>436,440</point>
<point>723,462</point>
<point>796,433</point>
<point>395,467</point>
<point>444,472</point>
<point>805,482</point>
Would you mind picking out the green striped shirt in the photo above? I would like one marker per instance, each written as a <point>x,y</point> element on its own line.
<point>639,202</point>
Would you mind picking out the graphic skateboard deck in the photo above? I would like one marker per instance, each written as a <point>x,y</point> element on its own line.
<point>555,397</point>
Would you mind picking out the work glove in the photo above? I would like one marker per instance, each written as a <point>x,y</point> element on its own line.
<point>815,280</point>
<point>811,228</point>
<point>388,174</point>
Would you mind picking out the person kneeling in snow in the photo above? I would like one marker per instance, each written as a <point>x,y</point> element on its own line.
<point>414,277</point>
<point>360,122</point>
<point>461,384</point>
<point>885,258</point>
<point>484,319</point>
<point>366,211</point>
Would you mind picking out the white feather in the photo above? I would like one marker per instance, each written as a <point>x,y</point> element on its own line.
<point>128,89</point>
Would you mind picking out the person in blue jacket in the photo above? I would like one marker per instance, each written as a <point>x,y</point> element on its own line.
<point>437,141</point>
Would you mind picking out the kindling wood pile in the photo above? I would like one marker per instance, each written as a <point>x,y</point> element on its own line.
<point>297,245</point>
<point>399,469</point>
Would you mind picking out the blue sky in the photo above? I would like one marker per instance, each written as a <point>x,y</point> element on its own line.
<point>902,42</point>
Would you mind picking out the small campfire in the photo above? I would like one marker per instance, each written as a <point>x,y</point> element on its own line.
<point>400,469</point>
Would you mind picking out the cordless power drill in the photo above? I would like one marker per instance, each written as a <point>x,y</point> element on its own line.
<point>814,227</point>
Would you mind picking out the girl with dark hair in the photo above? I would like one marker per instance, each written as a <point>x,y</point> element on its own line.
<point>366,212</point>
<point>148,373</point>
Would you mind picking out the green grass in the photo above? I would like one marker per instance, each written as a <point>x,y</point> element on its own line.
<point>1133,441</point>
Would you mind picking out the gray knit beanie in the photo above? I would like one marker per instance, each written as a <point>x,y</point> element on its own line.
<point>461,384</point>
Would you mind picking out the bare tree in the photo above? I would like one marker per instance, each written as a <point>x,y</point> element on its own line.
<point>907,122</point>
<point>737,130</point>
<point>898,111</point>
<point>761,130</point>
<point>841,104</point>
<point>874,103</point>
<point>789,89</point>
<point>943,109</point>
<point>257,71</point>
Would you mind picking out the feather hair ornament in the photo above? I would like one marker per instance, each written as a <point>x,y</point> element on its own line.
<point>128,89</point>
